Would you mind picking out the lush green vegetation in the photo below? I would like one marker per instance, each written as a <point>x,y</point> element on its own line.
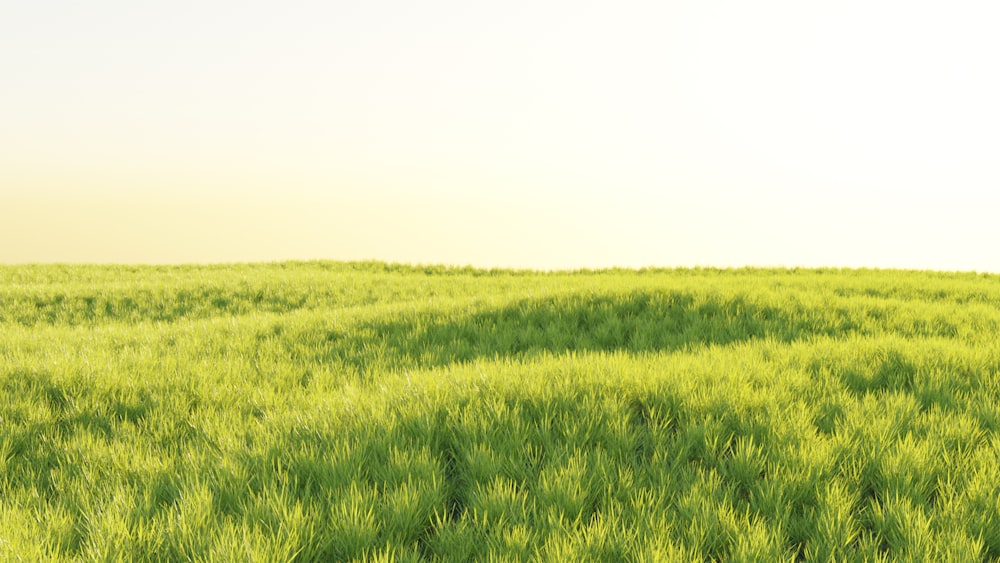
<point>329,411</point>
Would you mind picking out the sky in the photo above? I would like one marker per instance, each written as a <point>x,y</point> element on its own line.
<point>543,134</point>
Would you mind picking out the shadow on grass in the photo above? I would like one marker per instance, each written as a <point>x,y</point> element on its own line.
<point>635,323</point>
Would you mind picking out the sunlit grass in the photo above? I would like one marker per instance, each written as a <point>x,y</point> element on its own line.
<point>327,411</point>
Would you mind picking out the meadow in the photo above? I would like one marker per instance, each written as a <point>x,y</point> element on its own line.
<point>324,411</point>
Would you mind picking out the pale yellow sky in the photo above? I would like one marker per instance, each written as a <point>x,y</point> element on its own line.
<point>548,134</point>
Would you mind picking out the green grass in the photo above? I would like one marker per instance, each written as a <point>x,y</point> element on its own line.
<point>364,411</point>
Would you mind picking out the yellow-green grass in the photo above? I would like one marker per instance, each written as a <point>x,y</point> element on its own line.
<point>339,411</point>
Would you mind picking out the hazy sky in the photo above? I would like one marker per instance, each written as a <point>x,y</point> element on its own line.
<point>544,134</point>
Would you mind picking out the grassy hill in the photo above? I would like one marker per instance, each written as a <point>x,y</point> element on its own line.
<point>338,411</point>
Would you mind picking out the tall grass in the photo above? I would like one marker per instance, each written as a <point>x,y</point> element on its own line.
<point>364,411</point>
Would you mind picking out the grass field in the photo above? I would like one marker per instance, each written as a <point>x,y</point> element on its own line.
<point>339,411</point>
